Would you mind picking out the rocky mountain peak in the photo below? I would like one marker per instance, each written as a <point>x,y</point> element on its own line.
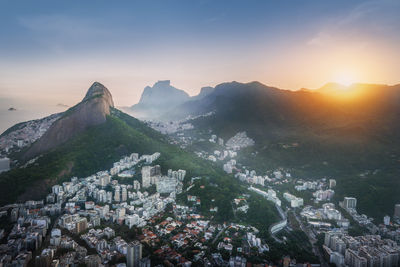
<point>163,94</point>
<point>162,83</point>
<point>91,111</point>
<point>96,90</point>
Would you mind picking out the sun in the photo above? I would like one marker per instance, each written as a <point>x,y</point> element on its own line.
<point>345,78</point>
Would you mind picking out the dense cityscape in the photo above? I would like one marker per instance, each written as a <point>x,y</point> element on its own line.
<point>120,217</point>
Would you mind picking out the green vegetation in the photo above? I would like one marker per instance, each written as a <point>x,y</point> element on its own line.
<point>360,170</point>
<point>261,213</point>
<point>355,229</point>
<point>214,192</point>
<point>98,147</point>
<point>296,246</point>
<point>314,136</point>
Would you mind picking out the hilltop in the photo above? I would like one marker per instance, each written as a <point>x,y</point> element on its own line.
<point>92,110</point>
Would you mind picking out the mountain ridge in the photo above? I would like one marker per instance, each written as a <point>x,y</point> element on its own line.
<point>325,94</point>
<point>92,110</point>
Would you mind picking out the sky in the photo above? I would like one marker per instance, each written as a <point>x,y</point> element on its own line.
<point>52,51</point>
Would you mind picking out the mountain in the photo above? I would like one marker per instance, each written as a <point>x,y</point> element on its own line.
<point>331,88</point>
<point>92,136</point>
<point>204,91</point>
<point>158,99</point>
<point>162,101</point>
<point>348,133</point>
<point>254,105</point>
<point>92,110</point>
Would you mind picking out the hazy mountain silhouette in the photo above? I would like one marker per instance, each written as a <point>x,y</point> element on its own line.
<point>158,99</point>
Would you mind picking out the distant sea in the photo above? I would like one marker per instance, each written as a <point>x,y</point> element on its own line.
<point>24,112</point>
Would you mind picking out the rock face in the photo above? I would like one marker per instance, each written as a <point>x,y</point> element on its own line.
<point>162,93</point>
<point>92,110</point>
<point>205,91</point>
<point>99,90</point>
<point>159,99</point>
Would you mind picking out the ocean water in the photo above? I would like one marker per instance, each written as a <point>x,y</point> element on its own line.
<point>25,111</point>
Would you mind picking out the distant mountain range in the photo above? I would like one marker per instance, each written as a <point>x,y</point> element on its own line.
<point>367,108</point>
<point>349,133</point>
<point>162,99</point>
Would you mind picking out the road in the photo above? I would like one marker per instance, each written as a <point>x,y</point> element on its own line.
<point>220,232</point>
<point>313,241</point>
<point>284,217</point>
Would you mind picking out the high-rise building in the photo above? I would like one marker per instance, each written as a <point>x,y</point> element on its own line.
<point>134,254</point>
<point>155,171</point>
<point>397,211</point>
<point>131,220</point>
<point>109,197</point>
<point>148,174</point>
<point>117,196</point>
<point>4,164</point>
<point>386,220</point>
<point>179,174</point>
<point>104,180</point>
<point>136,185</point>
<point>349,203</point>
<point>56,189</point>
<point>354,260</point>
<point>120,212</point>
<point>81,225</point>
<point>166,185</point>
<point>43,260</point>
<point>102,196</point>
<point>337,259</point>
<point>95,220</point>
<point>14,214</point>
<point>20,143</point>
<point>124,194</point>
<point>145,262</point>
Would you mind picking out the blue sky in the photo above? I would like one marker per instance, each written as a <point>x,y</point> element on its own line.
<point>55,49</point>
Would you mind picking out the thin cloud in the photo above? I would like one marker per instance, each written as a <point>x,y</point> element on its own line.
<point>320,39</point>
<point>59,32</point>
<point>371,18</point>
<point>61,25</point>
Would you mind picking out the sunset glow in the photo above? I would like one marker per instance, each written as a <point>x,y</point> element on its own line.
<point>57,51</point>
<point>345,79</point>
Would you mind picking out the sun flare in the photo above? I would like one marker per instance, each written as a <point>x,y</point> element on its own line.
<point>345,78</point>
